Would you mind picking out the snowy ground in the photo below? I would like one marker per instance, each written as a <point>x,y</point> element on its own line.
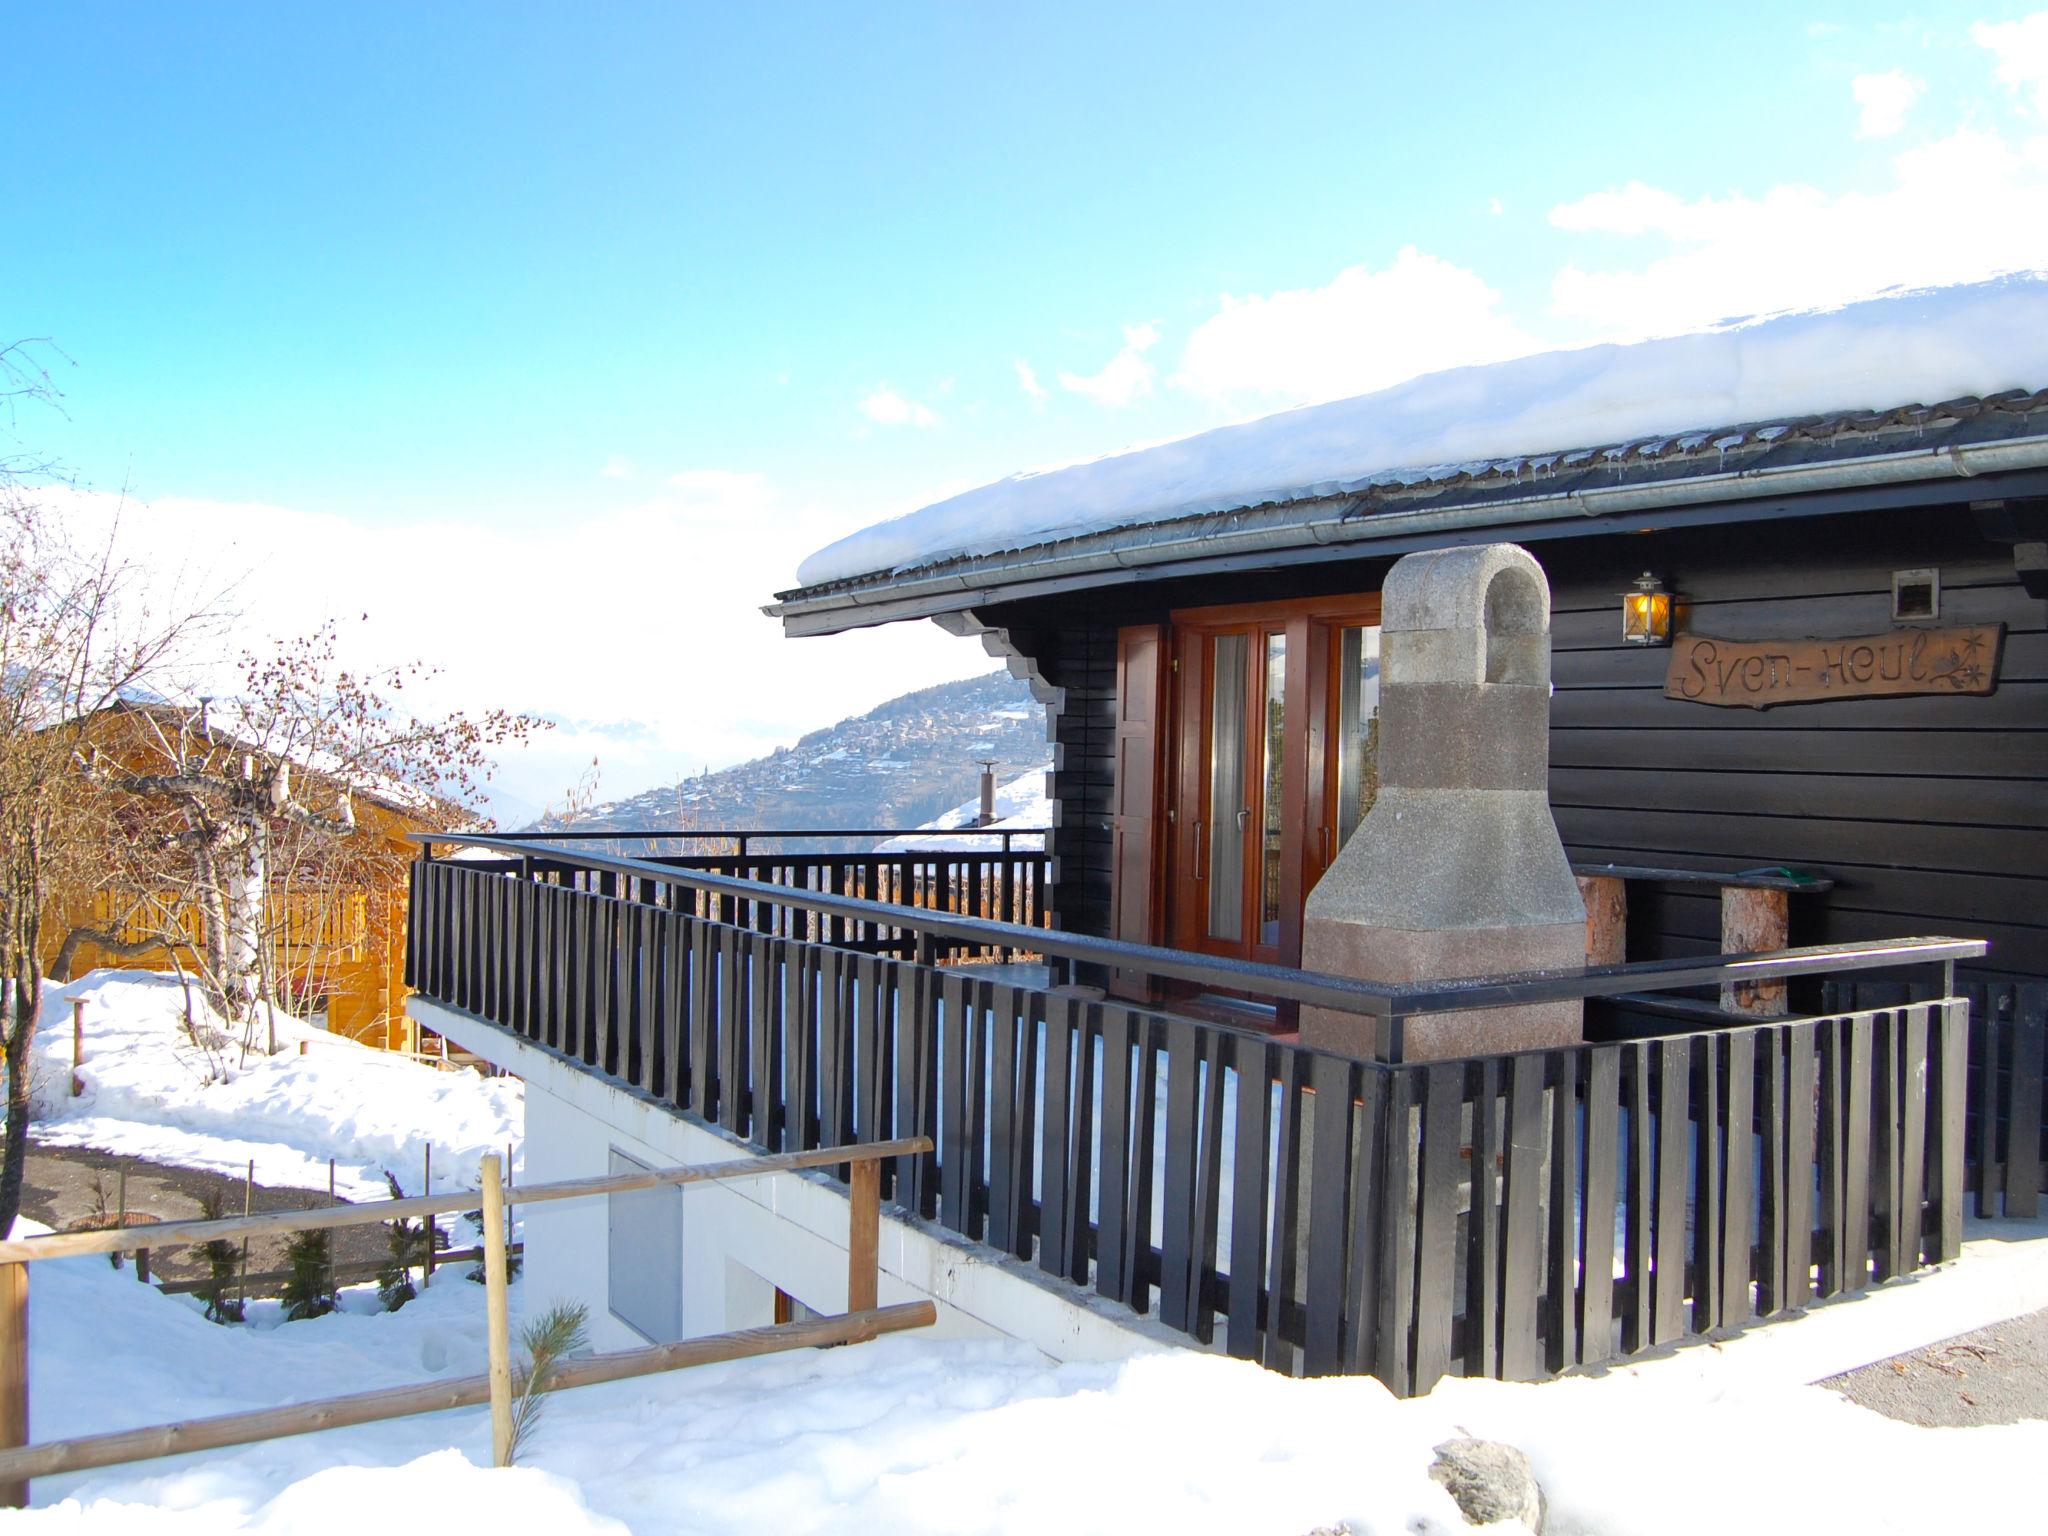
<point>909,1435</point>
<point>147,1093</point>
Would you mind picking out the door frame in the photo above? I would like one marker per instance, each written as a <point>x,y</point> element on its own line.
<point>1307,770</point>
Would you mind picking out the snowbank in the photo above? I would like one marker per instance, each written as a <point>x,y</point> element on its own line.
<point>911,1436</point>
<point>147,1094</point>
<point>1922,346</point>
<point>1022,802</point>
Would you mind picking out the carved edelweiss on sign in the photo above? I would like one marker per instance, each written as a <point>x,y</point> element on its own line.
<point>1759,673</point>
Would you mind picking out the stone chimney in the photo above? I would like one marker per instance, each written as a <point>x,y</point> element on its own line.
<point>1457,869</point>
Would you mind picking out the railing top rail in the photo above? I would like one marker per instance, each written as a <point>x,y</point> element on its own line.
<point>1380,1000</point>
<point>642,835</point>
<point>177,1234</point>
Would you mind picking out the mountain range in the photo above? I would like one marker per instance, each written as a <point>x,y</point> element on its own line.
<point>902,764</point>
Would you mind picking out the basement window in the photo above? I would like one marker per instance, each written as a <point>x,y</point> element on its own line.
<point>1916,594</point>
<point>644,1259</point>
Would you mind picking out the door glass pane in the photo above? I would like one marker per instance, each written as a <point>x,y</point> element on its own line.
<point>1269,777</point>
<point>1226,787</point>
<point>1358,726</point>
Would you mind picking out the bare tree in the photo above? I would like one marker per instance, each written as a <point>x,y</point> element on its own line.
<point>75,633</point>
<point>236,823</point>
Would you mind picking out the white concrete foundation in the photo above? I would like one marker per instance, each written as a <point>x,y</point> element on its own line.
<point>743,1241</point>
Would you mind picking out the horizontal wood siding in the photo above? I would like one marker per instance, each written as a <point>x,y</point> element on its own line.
<point>1081,659</point>
<point>1930,813</point>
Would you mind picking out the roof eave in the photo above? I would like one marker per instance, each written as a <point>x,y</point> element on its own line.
<point>1373,518</point>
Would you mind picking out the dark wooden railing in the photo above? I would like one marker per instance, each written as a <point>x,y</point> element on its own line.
<point>1001,883</point>
<point>2005,1121</point>
<point>1513,1216</point>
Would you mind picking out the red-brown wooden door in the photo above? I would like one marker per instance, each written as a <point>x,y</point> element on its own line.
<point>1262,782</point>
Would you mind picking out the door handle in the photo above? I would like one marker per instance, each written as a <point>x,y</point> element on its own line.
<point>1244,818</point>
<point>1201,848</point>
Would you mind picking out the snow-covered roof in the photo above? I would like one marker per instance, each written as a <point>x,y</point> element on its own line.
<point>1678,406</point>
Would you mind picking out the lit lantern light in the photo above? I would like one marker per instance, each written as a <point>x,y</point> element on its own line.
<point>1646,613</point>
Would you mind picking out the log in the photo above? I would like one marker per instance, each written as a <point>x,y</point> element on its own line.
<point>497,1314</point>
<point>1606,899</point>
<point>864,1237</point>
<point>1754,922</point>
<point>13,1378</point>
<point>121,1446</point>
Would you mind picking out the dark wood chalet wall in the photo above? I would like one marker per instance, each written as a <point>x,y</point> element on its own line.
<point>1930,813</point>
<point>1079,656</point>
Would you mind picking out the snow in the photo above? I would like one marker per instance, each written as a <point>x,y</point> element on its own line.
<point>1917,346</point>
<point>1023,802</point>
<point>147,1094</point>
<point>911,1436</point>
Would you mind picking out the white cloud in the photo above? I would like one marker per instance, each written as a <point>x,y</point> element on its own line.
<point>1125,377</point>
<point>1361,331</point>
<point>885,407</point>
<point>2022,50</point>
<point>617,467</point>
<point>1027,380</point>
<point>640,628</point>
<point>1493,206</point>
<point>1882,102</point>
<point>1963,207</point>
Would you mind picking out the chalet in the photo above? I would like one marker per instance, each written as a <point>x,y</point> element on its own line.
<point>1752,624</point>
<point>1200,617</point>
<point>337,936</point>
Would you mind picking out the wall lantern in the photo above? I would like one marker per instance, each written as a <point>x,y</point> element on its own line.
<point>1646,613</point>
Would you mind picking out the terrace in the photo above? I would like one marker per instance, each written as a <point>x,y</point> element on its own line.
<point>1682,1172</point>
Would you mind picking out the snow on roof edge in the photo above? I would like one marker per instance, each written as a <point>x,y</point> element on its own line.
<point>1675,394</point>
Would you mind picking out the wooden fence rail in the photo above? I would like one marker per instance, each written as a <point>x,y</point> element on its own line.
<point>1507,1216</point>
<point>863,1319</point>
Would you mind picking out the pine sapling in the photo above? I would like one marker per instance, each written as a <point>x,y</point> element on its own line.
<point>408,1250</point>
<point>222,1260</point>
<point>309,1284</point>
<point>512,1260</point>
<point>551,1338</point>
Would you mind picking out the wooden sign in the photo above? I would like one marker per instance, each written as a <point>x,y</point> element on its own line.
<point>1759,673</point>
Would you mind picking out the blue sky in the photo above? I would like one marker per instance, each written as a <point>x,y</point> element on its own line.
<point>612,313</point>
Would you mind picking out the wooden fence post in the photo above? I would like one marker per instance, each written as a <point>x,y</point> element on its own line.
<point>14,1374</point>
<point>432,1225</point>
<point>497,1313</point>
<point>77,1045</point>
<point>864,1236</point>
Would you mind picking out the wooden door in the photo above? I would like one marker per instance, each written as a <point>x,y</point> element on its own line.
<point>1262,786</point>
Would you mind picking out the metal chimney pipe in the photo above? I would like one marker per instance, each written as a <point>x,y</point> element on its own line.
<point>988,791</point>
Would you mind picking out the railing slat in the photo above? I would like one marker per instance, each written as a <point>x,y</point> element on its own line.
<point>1522,1242</point>
<point>1176,1280</point>
<point>1112,1250</point>
<point>1674,1146</point>
<point>1603,1145</point>
<point>1856,1169</point>
<point>1738,1182</point>
<point>1437,1219</point>
<point>1255,1066</point>
<point>2023,1134</point>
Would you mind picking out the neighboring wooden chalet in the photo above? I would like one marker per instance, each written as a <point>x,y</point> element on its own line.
<point>1855,685</point>
<point>338,947</point>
